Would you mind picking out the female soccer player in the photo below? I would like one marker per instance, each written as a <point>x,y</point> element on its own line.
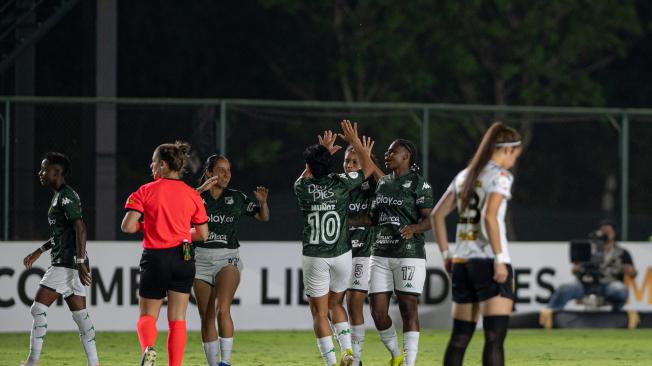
<point>68,273</point>
<point>481,270</point>
<point>167,267</point>
<point>398,260</point>
<point>217,260</point>
<point>360,239</point>
<point>323,199</point>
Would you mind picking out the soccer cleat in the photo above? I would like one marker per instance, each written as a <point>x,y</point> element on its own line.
<point>347,358</point>
<point>27,363</point>
<point>149,357</point>
<point>397,360</point>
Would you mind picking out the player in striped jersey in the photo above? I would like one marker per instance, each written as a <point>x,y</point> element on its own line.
<point>481,266</point>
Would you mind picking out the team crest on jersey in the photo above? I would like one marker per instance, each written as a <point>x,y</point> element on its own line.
<point>228,200</point>
<point>365,186</point>
<point>407,184</point>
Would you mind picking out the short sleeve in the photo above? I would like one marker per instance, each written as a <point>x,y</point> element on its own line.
<point>199,217</point>
<point>424,196</point>
<point>627,258</point>
<point>352,180</point>
<point>250,207</point>
<point>71,205</point>
<point>502,183</point>
<point>135,202</point>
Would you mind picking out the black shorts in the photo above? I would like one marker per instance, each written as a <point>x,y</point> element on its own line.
<point>165,269</point>
<point>473,281</point>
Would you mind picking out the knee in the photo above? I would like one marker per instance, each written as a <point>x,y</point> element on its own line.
<point>223,311</point>
<point>571,289</point>
<point>38,310</point>
<point>379,314</point>
<point>617,289</point>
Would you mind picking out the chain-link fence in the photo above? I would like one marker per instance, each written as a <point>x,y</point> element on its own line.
<point>571,174</point>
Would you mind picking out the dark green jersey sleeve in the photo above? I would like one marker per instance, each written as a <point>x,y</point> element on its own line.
<point>424,195</point>
<point>351,180</point>
<point>249,207</point>
<point>70,204</point>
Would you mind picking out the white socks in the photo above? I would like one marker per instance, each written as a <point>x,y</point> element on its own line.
<point>226,345</point>
<point>39,329</point>
<point>327,350</point>
<point>86,335</point>
<point>388,336</point>
<point>210,350</point>
<point>410,347</point>
<point>357,341</point>
<point>343,334</point>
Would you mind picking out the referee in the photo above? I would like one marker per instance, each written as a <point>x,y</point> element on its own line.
<point>167,207</point>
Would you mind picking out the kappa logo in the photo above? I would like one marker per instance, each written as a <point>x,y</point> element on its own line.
<point>407,184</point>
<point>228,200</point>
<point>409,285</point>
<point>66,201</point>
<point>425,185</point>
<point>356,283</point>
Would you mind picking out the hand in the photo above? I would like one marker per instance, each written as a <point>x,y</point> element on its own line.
<point>327,140</point>
<point>407,232</point>
<point>208,184</point>
<point>500,272</point>
<point>367,144</point>
<point>84,274</point>
<point>261,194</point>
<point>349,131</point>
<point>31,258</point>
<point>577,268</point>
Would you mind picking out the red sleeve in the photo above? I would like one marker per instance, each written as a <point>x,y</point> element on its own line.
<point>135,201</point>
<point>199,217</point>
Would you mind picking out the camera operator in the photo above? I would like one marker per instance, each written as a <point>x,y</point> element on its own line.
<point>614,263</point>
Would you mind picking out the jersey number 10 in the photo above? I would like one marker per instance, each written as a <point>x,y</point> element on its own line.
<point>327,227</point>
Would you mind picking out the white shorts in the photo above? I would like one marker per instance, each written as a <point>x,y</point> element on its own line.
<point>321,275</point>
<point>360,274</point>
<point>401,275</point>
<point>64,281</point>
<point>210,261</point>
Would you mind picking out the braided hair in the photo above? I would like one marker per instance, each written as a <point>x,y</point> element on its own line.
<point>412,150</point>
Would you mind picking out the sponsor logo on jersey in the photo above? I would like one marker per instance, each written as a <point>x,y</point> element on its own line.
<point>228,200</point>
<point>389,201</point>
<point>322,207</point>
<point>355,243</point>
<point>386,219</point>
<point>52,221</point>
<point>386,239</point>
<point>407,184</point>
<point>357,207</point>
<point>320,192</point>
<point>222,238</point>
<point>421,200</point>
<point>220,219</point>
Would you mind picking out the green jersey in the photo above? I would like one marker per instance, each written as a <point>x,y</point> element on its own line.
<point>65,208</point>
<point>324,204</point>
<point>397,204</point>
<point>223,217</point>
<point>361,237</point>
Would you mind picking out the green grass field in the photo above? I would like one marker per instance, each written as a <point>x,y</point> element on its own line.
<point>524,347</point>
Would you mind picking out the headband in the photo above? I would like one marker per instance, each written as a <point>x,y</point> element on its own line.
<point>509,144</point>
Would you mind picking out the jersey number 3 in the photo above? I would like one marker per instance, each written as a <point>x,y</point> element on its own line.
<point>327,227</point>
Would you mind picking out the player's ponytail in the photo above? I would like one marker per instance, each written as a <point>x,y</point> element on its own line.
<point>498,136</point>
<point>176,155</point>
<point>412,150</point>
<point>319,160</point>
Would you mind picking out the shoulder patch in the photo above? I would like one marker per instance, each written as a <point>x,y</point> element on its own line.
<point>425,185</point>
<point>407,184</point>
<point>228,200</point>
<point>66,201</point>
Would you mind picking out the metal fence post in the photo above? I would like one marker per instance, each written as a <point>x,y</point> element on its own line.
<point>7,146</point>
<point>624,178</point>
<point>425,141</point>
<point>223,127</point>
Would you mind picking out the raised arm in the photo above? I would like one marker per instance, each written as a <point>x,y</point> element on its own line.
<point>368,145</point>
<point>350,135</point>
<point>261,194</point>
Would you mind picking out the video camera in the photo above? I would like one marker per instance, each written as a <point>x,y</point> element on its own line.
<point>589,254</point>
